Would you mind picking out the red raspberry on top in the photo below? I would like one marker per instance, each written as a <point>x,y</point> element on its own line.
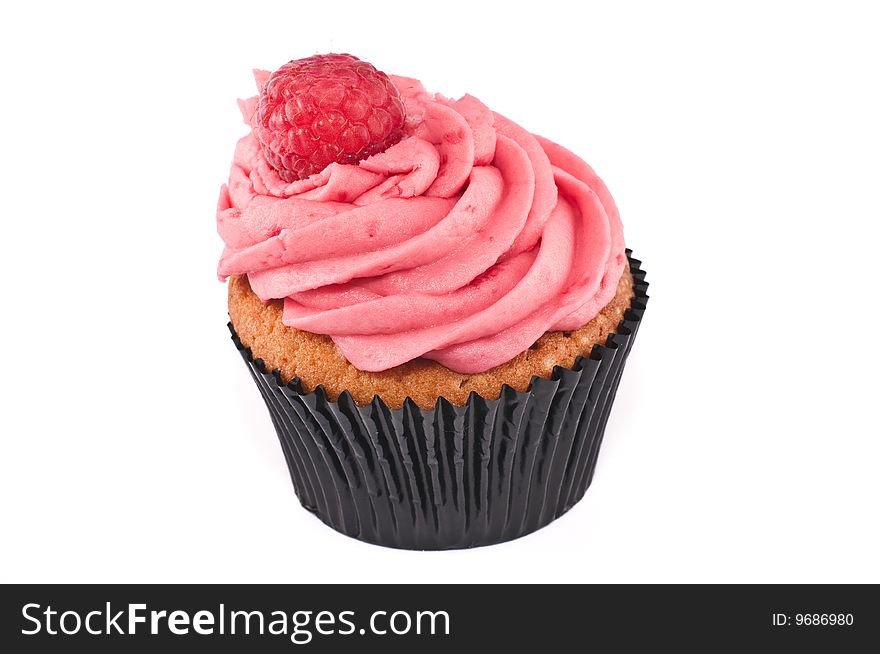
<point>326,108</point>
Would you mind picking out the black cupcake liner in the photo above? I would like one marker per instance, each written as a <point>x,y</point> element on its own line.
<point>451,477</point>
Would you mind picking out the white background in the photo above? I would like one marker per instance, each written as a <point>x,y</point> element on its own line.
<point>742,146</point>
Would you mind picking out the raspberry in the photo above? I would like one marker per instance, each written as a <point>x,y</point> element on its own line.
<point>326,108</point>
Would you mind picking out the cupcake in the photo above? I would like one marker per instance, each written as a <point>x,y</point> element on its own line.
<point>435,304</point>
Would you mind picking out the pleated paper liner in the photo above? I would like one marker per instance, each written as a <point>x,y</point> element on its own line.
<point>451,477</point>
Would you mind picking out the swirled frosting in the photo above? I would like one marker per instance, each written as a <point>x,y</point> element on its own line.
<point>463,243</point>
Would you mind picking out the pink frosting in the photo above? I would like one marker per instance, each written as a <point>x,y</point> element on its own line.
<point>463,243</point>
